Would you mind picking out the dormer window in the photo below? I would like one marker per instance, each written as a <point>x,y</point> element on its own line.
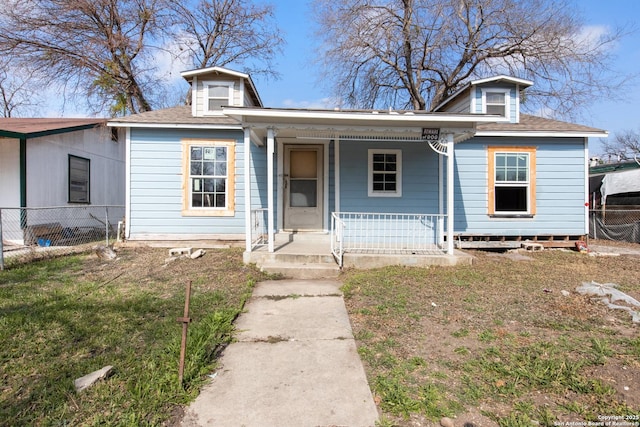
<point>218,94</point>
<point>496,101</point>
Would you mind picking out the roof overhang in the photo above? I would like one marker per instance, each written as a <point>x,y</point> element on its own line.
<point>24,128</point>
<point>356,124</point>
<point>543,134</point>
<point>113,123</point>
<point>503,79</point>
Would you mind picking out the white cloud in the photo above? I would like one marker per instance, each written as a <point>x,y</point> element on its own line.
<point>592,34</point>
<point>170,60</point>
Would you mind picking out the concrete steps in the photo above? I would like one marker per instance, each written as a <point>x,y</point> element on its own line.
<point>302,271</point>
<point>298,256</point>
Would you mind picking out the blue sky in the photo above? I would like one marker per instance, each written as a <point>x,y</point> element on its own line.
<point>299,85</point>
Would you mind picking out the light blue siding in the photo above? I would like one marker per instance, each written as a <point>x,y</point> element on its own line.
<point>560,188</point>
<point>419,179</point>
<point>157,177</point>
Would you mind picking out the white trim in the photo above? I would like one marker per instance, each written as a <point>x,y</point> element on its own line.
<point>216,69</point>
<point>194,96</point>
<point>450,192</point>
<point>174,125</point>
<point>507,100</point>
<point>545,134</point>
<point>280,185</point>
<point>441,194</point>
<point>398,173</point>
<point>205,95</point>
<point>325,184</point>
<point>503,78</point>
<point>247,188</point>
<point>336,174</point>
<point>517,103</point>
<point>270,189</point>
<point>378,116</point>
<point>127,191</point>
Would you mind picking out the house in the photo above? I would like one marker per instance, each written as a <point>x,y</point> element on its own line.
<point>413,184</point>
<point>56,162</point>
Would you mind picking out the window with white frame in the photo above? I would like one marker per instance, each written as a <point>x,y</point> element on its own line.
<point>217,94</point>
<point>385,173</point>
<point>209,175</point>
<point>79,179</point>
<point>496,101</point>
<point>512,181</point>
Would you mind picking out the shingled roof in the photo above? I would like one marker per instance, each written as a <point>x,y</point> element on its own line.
<point>182,115</point>
<point>34,127</point>
<point>529,123</point>
<point>174,116</point>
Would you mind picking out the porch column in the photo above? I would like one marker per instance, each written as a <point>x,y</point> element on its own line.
<point>270,189</point>
<point>247,189</point>
<point>450,218</point>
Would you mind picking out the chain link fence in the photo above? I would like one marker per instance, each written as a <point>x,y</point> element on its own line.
<point>614,223</point>
<point>27,234</point>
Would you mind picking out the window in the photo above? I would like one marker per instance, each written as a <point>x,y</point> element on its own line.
<point>217,94</point>
<point>385,173</point>
<point>79,174</point>
<point>496,101</point>
<point>209,175</point>
<point>512,181</point>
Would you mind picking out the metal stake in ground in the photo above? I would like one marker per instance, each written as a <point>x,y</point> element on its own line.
<point>185,324</point>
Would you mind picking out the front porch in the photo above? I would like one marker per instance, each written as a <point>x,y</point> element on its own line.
<point>309,255</point>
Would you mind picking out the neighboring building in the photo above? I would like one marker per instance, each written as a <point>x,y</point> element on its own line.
<point>54,162</point>
<point>615,201</point>
<point>474,171</point>
<point>615,184</point>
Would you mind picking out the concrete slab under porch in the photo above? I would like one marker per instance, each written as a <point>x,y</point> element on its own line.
<point>308,256</point>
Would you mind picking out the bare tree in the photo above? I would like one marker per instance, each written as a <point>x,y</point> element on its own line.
<point>99,48</point>
<point>17,94</point>
<point>625,146</point>
<point>222,33</point>
<point>108,52</point>
<point>416,53</point>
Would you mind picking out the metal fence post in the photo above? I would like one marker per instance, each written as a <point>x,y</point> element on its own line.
<point>106,225</point>
<point>1,244</point>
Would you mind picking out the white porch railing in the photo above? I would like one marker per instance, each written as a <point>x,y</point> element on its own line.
<point>386,233</point>
<point>259,227</point>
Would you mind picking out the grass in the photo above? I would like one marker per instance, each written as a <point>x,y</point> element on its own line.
<point>63,318</point>
<point>495,347</point>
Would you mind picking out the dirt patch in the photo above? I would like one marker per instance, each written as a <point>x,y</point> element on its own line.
<point>506,340</point>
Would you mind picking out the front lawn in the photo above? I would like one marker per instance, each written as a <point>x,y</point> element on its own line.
<point>498,342</point>
<point>63,318</point>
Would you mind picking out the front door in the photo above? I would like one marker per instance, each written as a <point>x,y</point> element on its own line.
<point>303,187</point>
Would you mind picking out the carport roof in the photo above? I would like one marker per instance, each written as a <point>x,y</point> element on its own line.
<point>36,127</point>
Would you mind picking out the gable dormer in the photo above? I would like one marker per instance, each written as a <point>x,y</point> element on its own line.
<point>499,95</point>
<point>216,87</point>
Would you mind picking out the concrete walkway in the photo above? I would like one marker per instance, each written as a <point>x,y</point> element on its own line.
<point>295,364</point>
